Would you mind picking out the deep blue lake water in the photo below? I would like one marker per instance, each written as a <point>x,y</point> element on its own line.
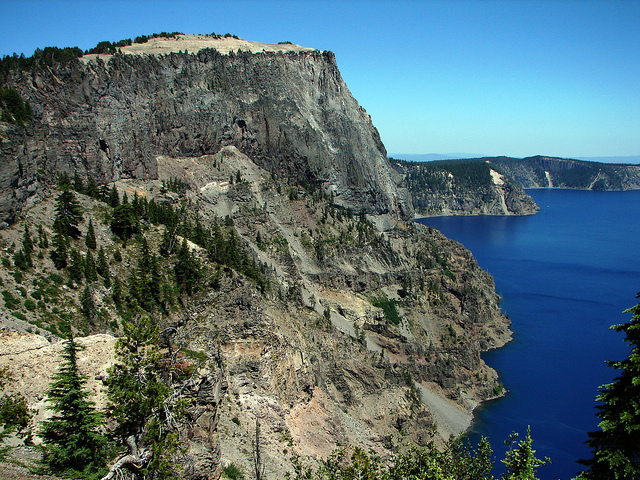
<point>565,275</point>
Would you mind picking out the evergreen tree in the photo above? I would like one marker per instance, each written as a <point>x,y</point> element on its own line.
<point>68,214</point>
<point>616,446</point>
<point>102,266</point>
<point>43,241</point>
<point>92,188</point>
<point>87,304</point>
<point>78,184</point>
<point>521,461</point>
<point>59,254</point>
<point>187,269</point>
<point>117,256</point>
<point>138,394</point>
<point>90,272</point>
<point>90,237</point>
<point>27,243</point>
<point>124,222</point>
<point>76,267</point>
<point>117,293</point>
<point>114,198</point>
<point>71,440</point>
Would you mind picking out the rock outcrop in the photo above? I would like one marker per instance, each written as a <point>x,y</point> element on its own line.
<point>289,110</point>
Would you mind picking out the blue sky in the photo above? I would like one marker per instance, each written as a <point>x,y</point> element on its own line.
<point>514,78</point>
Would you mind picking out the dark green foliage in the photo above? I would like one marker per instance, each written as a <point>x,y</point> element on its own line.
<point>117,256</point>
<point>137,394</point>
<point>520,461</point>
<point>71,439</point>
<point>90,237</point>
<point>233,472</point>
<point>187,269</point>
<point>114,197</point>
<point>40,58</point>
<point>175,185</point>
<point>43,241</point>
<point>102,266</point>
<point>90,271</point>
<point>616,446</point>
<point>75,268</point>
<point>14,110</point>
<point>59,254</point>
<point>87,304</point>
<point>68,215</point>
<point>389,309</point>
<point>117,293</point>
<point>14,412</point>
<point>124,222</point>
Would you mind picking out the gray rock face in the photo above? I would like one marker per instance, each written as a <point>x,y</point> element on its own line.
<point>290,112</point>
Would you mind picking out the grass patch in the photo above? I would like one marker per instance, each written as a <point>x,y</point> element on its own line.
<point>389,309</point>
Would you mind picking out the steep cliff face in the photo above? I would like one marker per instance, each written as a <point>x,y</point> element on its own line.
<point>290,111</point>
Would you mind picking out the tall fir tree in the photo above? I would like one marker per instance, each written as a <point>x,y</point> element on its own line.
<point>71,441</point>
<point>90,272</point>
<point>90,237</point>
<point>60,252</point>
<point>68,214</point>
<point>76,267</point>
<point>616,446</point>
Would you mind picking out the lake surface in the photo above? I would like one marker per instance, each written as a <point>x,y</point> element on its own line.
<point>565,275</point>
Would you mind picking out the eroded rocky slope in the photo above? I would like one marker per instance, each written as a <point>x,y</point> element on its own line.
<point>314,357</point>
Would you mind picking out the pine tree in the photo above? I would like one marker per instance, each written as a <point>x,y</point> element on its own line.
<point>76,268</point>
<point>521,462</point>
<point>71,440</point>
<point>138,394</point>
<point>87,304</point>
<point>78,184</point>
<point>616,446</point>
<point>59,254</point>
<point>90,272</point>
<point>102,266</point>
<point>43,241</point>
<point>68,214</point>
<point>90,238</point>
<point>114,198</point>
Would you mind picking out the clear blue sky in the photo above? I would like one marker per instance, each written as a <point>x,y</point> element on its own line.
<point>504,77</point>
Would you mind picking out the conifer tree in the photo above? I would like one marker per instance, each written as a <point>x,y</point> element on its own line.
<point>87,304</point>
<point>43,241</point>
<point>90,237</point>
<point>71,439</point>
<point>114,197</point>
<point>78,184</point>
<point>102,266</point>
<point>138,394</point>
<point>616,446</point>
<point>76,267</point>
<point>521,462</point>
<point>90,272</point>
<point>59,254</point>
<point>68,214</point>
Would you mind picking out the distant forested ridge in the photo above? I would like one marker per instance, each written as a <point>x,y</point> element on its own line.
<point>463,187</point>
<point>552,172</point>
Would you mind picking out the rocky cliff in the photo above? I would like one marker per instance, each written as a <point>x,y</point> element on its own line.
<point>109,117</point>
